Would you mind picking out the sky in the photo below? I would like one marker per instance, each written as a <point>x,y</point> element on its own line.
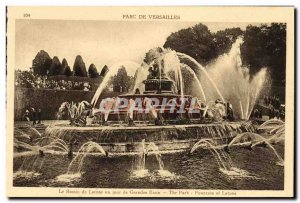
<point>111,43</point>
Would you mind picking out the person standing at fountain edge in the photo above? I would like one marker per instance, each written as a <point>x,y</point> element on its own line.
<point>39,116</point>
<point>26,115</point>
<point>87,114</point>
<point>33,115</point>
<point>229,111</point>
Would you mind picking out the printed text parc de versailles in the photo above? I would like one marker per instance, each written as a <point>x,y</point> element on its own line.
<point>151,17</point>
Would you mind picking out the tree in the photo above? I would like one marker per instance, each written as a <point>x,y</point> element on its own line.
<point>79,67</point>
<point>104,71</point>
<point>67,71</point>
<point>121,80</point>
<point>64,65</point>
<point>197,42</point>
<point>41,63</point>
<point>93,73</point>
<point>265,46</point>
<point>56,67</point>
<point>223,39</point>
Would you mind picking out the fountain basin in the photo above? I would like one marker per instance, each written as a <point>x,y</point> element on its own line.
<point>126,139</point>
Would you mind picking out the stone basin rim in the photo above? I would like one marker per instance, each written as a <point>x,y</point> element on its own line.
<point>91,128</point>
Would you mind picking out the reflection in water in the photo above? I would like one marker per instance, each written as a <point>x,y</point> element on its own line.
<point>25,175</point>
<point>68,177</point>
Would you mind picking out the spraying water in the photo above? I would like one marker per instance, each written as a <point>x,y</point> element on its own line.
<point>197,80</point>
<point>271,124</point>
<point>172,63</point>
<point>77,163</point>
<point>140,170</point>
<point>152,147</point>
<point>224,161</point>
<point>75,167</point>
<point>101,87</point>
<point>280,161</point>
<point>140,76</point>
<point>201,68</point>
<point>57,144</point>
<point>30,167</point>
<point>279,136</point>
<point>255,140</point>
<point>276,128</point>
<point>234,81</point>
<point>131,68</point>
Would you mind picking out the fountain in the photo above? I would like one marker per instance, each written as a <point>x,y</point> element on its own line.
<point>32,164</point>
<point>235,82</point>
<point>253,139</point>
<point>139,168</point>
<point>155,118</point>
<point>156,110</point>
<point>74,171</point>
<point>222,158</point>
<point>30,168</point>
<point>87,148</point>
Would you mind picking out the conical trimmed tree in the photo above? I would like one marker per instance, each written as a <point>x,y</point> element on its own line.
<point>79,68</point>
<point>64,65</point>
<point>41,63</point>
<point>67,71</point>
<point>56,67</point>
<point>104,71</point>
<point>93,73</point>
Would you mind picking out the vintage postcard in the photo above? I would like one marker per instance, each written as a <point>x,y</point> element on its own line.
<point>150,102</point>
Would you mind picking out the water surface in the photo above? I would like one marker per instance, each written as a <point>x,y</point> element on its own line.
<point>181,170</point>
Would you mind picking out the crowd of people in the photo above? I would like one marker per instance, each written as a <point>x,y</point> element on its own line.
<point>33,115</point>
<point>272,101</point>
<point>26,79</point>
<point>274,108</point>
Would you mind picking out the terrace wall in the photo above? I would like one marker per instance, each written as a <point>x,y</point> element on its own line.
<point>48,100</point>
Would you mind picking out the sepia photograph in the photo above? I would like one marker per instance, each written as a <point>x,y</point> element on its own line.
<point>150,102</point>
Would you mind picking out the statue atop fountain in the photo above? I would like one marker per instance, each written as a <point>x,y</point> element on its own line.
<point>156,81</point>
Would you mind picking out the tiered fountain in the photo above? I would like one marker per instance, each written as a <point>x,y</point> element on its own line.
<point>156,111</point>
